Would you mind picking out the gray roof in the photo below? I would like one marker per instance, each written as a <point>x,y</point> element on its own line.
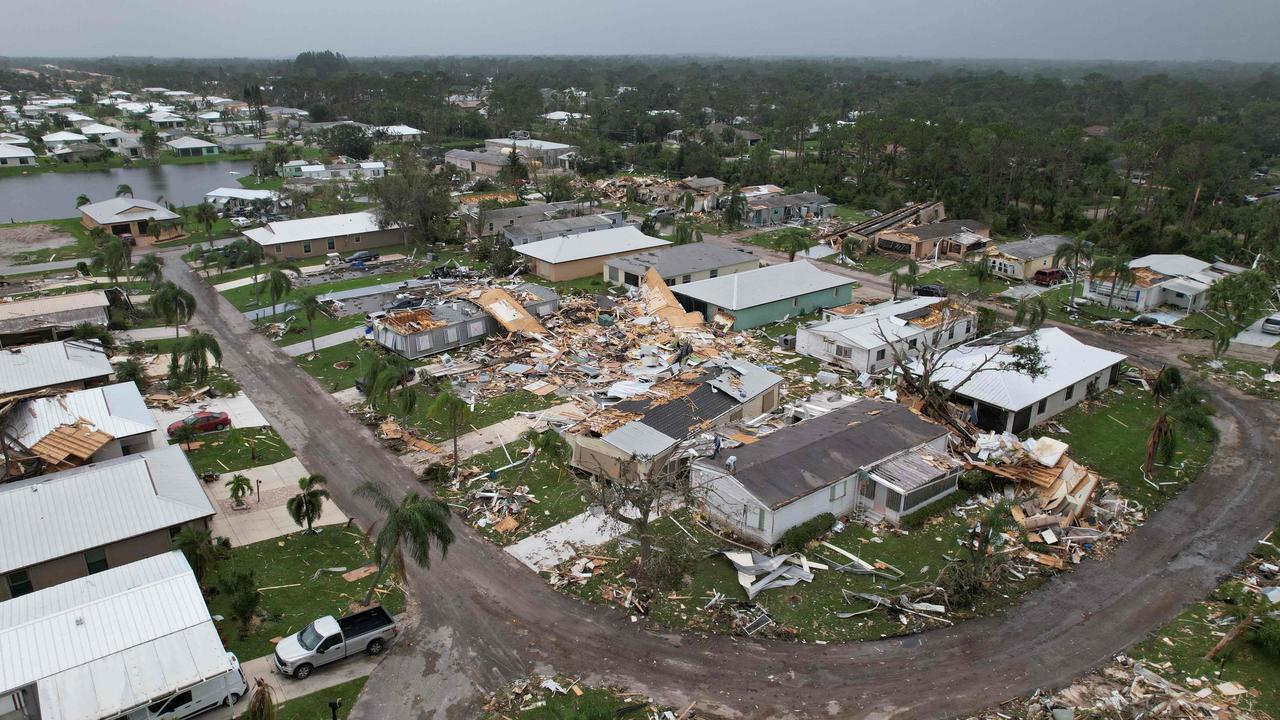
<point>799,459</point>
<point>531,232</point>
<point>944,228</point>
<point>477,156</point>
<point>529,213</point>
<point>31,367</point>
<point>702,183</point>
<point>676,260</point>
<point>68,512</point>
<point>762,286</point>
<point>1032,248</point>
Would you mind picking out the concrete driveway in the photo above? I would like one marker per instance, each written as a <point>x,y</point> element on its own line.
<point>1254,336</point>
<point>241,409</point>
<point>264,515</point>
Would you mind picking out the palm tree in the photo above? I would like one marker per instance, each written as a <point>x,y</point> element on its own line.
<point>735,209</point>
<point>547,444</point>
<point>82,200</point>
<point>406,401</point>
<point>279,284</point>
<point>197,544</point>
<point>306,506</point>
<point>239,486</point>
<point>195,351</point>
<point>1160,443</point>
<point>174,304</point>
<point>793,241</point>
<point>453,412</point>
<point>1117,268</point>
<point>1167,382</point>
<point>1074,250</point>
<point>382,375</point>
<point>111,258</point>
<point>206,215</point>
<point>123,189</point>
<point>415,522</point>
<point>262,703</point>
<point>149,270</point>
<point>311,308</point>
<point>1032,312</point>
<point>132,370</point>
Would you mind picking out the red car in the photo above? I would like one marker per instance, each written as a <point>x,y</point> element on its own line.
<point>203,422</point>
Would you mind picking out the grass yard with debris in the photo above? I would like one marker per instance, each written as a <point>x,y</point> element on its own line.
<point>1184,642</point>
<point>315,706</point>
<point>237,449</point>
<point>806,611</point>
<point>289,573</point>
<point>593,704</point>
<point>878,264</point>
<point>558,496</point>
<point>243,297</point>
<point>324,324</point>
<point>1086,312</point>
<point>486,413</point>
<point>1244,375</point>
<point>958,281</point>
<point>1109,434</point>
<point>321,365</point>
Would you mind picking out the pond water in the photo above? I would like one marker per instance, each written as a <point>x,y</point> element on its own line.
<point>52,195</point>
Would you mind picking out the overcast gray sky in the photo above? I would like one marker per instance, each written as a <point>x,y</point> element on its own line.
<point>1241,30</point>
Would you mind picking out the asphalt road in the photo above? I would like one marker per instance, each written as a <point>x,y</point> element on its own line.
<point>486,620</point>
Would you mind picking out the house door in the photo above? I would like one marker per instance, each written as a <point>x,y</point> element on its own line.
<point>1022,420</point>
<point>878,504</point>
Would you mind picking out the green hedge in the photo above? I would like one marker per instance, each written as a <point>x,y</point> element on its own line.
<point>795,539</point>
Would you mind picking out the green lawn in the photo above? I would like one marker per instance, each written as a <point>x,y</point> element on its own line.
<point>488,412</point>
<point>1057,298</point>
<point>247,272</point>
<point>321,366</point>
<point>323,325</point>
<point>1201,321</point>
<point>243,297</point>
<point>593,704</point>
<point>957,280</point>
<point>1243,374</point>
<point>316,705</point>
<point>590,284</point>
<point>237,449</point>
<point>554,487</point>
<point>805,611</point>
<point>878,264</point>
<point>284,569</point>
<point>1110,434</point>
<point>1185,641</point>
<point>844,212</point>
<point>267,183</point>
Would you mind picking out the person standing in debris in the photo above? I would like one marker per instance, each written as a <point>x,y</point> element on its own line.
<point>715,448</point>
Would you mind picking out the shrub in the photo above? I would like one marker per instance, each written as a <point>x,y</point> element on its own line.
<point>668,567</point>
<point>795,539</point>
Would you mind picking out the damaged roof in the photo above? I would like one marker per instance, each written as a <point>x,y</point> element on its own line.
<point>1033,248</point>
<point>611,241</point>
<point>797,460</point>
<point>117,410</point>
<point>31,367</point>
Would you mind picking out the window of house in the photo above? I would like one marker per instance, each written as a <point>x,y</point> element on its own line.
<point>968,326</point>
<point>844,352</point>
<point>880,354</point>
<point>685,278</point>
<point>911,343</point>
<point>355,239</point>
<point>19,583</point>
<point>173,532</point>
<point>795,302</point>
<point>867,488</point>
<point>613,274</point>
<point>306,247</point>
<point>838,490</point>
<point>951,332</point>
<point>760,519</point>
<point>835,292</point>
<point>1071,391</point>
<point>1044,402</point>
<point>330,243</point>
<point>279,249</point>
<point>715,272</point>
<point>96,560</point>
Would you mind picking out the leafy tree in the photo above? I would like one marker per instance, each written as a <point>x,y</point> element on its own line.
<point>239,486</point>
<point>150,140</point>
<point>454,413</point>
<point>981,271</point>
<point>241,587</point>
<point>1032,312</point>
<point>132,370</point>
<point>174,304</point>
<point>413,524</point>
<point>149,269</point>
<point>1167,382</point>
<point>200,549</point>
<point>195,351</point>
<point>82,200</point>
<point>306,507</point>
<point>92,331</point>
<point>413,199</point>
<point>979,571</point>
<point>735,208</point>
<point>261,704</point>
<point>111,257</point>
<point>123,189</point>
<point>278,285</point>
<point>544,445</point>
<point>349,140</point>
<point>1075,250</point>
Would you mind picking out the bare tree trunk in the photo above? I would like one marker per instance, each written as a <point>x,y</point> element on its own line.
<point>1230,637</point>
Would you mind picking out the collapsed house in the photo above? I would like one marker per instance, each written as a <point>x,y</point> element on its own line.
<point>874,460</point>
<point>659,421</point>
<point>778,209</point>
<point>481,222</point>
<point>865,338</point>
<point>865,232</point>
<point>945,239</point>
<point>465,316</point>
<point>561,227</point>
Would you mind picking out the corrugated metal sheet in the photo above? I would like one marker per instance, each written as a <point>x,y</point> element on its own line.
<point>110,642</point>
<point>74,510</point>
<point>764,285</point>
<point>31,367</point>
<point>117,410</point>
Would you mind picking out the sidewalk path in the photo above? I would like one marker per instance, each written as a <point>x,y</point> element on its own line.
<point>264,515</point>
<point>151,333</point>
<point>286,688</point>
<point>484,439</point>
<point>325,341</point>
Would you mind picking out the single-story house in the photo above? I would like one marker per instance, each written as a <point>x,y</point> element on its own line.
<point>871,458</point>
<point>1019,260</point>
<point>722,133</point>
<point>58,527</point>
<point>241,143</point>
<point>947,239</point>
<point>477,163</point>
<point>14,155</point>
<point>578,256</point>
<point>163,120</point>
<point>11,138</point>
<point>335,171</point>
<point>80,427</point>
<point>398,133</point>
<point>467,318</point>
<point>746,300</point>
<point>97,131</point>
<point>318,236</point>
<point>1002,398</point>
<point>679,264</point>
<point>234,197</point>
<point>75,152</point>
<point>533,232</point>
<point>1178,280</point>
<point>563,117</point>
<point>51,317</point>
<point>111,645</point>
<point>650,429</point>
<point>128,144</point>
<point>188,146</point>
<point>133,217</point>
<point>778,209</point>
<point>62,137</point>
<point>543,153</point>
<point>491,222</point>
<point>863,338</point>
<point>63,364</point>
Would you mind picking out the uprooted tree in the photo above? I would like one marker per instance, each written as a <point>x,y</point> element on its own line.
<point>980,569</point>
<point>635,490</point>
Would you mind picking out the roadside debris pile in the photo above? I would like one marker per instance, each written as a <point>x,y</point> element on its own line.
<point>758,572</point>
<point>1131,689</point>
<point>539,691</point>
<point>499,507</point>
<point>391,430</point>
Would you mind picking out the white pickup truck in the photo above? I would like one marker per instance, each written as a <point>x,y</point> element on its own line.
<point>330,639</point>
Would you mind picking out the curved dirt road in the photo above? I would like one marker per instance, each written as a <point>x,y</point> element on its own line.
<point>485,619</point>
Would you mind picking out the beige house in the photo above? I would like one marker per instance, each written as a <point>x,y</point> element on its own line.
<point>319,236</point>
<point>78,522</point>
<point>1021,259</point>
<point>678,264</point>
<point>578,256</point>
<point>132,219</point>
<point>946,239</point>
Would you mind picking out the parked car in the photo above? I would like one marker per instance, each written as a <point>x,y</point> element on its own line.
<point>662,213</point>
<point>1049,276</point>
<point>328,640</point>
<point>361,256</point>
<point>225,689</point>
<point>1271,325</point>
<point>203,421</point>
<point>931,291</point>
<point>241,222</point>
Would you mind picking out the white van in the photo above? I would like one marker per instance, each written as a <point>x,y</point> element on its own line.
<point>225,689</point>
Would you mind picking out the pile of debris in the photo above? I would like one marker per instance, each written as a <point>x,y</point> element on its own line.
<point>495,506</point>
<point>535,692</point>
<point>390,430</point>
<point>1134,690</point>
